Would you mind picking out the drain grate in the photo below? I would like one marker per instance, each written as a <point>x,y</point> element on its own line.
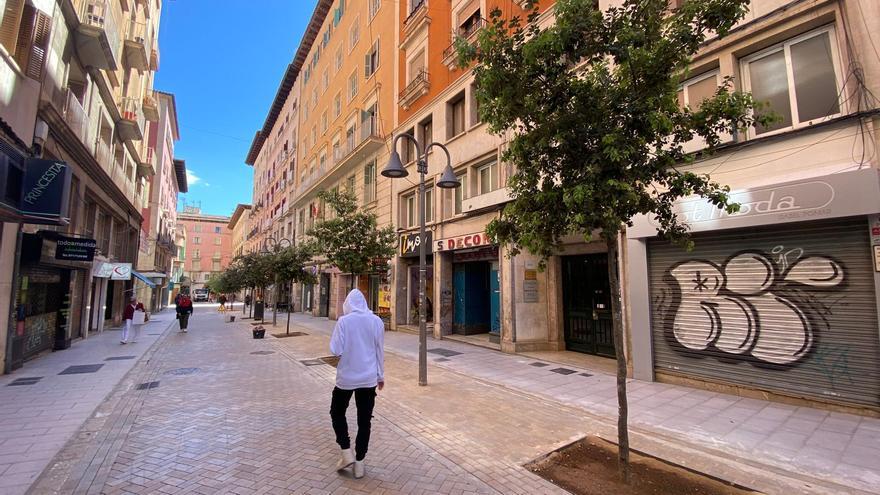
<point>148,385</point>
<point>263,353</point>
<point>182,371</point>
<point>563,371</point>
<point>586,374</point>
<point>291,334</point>
<point>442,360</point>
<point>312,362</point>
<point>444,352</point>
<point>25,380</point>
<point>82,368</point>
<point>538,365</point>
<point>119,358</point>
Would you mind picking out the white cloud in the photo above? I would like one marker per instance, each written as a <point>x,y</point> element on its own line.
<point>191,178</point>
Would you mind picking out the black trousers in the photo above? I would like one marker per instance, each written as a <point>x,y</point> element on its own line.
<point>184,320</point>
<point>364,399</point>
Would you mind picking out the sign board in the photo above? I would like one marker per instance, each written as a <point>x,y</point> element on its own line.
<point>75,249</point>
<point>877,258</point>
<point>409,244</point>
<point>385,296</point>
<point>45,191</point>
<point>530,285</point>
<point>462,242</point>
<point>113,271</point>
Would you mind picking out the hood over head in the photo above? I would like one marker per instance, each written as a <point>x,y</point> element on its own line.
<point>354,302</point>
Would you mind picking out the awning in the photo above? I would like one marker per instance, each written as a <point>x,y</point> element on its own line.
<point>154,274</point>
<point>143,279</point>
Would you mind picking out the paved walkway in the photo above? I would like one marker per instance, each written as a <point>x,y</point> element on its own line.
<point>41,409</point>
<point>806,444</point>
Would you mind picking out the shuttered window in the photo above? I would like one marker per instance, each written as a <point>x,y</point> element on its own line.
<point>25,35</point>
<point>12,12</point>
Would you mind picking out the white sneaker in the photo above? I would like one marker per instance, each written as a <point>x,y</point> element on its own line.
<point>358,469</point>
<point>123,342</point>
<point>346,460</point>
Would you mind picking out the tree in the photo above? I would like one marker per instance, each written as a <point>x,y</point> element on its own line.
<point>597,132</point>
<point>351,240</point>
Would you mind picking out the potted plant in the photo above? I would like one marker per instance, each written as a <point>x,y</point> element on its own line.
<point>259,332</point>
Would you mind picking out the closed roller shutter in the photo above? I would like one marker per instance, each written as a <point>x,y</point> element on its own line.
<point>789,309</point>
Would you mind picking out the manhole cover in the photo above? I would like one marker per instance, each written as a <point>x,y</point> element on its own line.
<point>182,371</point>
<point>25,380</point>
<point>312,362</point>
<point>444,352</point>
<point>291,334</point>
<point>538,365</point>
<point>586,374</point>
<point>263,353</point>
<point>119,358</point>
<point>82,368</point>
<point>148,385</point>
<point>563,371</point>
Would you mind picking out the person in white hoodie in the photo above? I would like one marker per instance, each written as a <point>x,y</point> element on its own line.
<point>357,339</point>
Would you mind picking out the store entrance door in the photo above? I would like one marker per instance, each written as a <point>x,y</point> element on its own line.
<point>587,304</point>
<point>472,313</point>
<point>324,296</point>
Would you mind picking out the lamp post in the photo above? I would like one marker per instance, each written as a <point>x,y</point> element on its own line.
<point>396,170</point>
<point>276,245</point>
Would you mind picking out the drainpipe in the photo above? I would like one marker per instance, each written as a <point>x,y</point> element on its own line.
<point>513,300</point>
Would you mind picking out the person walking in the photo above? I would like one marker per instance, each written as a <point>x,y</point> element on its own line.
<point>127,318</point>
<point>184,309</point>
<point>358,340</point>
<point>222,300</point>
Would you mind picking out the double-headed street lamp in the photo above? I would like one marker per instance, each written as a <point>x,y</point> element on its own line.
<point>396,170</point>
<point>277,244</point>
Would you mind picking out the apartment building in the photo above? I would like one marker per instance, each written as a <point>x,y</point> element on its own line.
<point>178,279</point>
<point>239,225</point>
<point>157,247</point>
<point>208,248</point>
<point>90,65</point>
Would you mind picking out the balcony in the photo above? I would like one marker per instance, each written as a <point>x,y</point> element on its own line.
<point>131,122</point>
<point>482,201</point>
<point>137,46</point>
<point>97,36</point>
<point>415,21</point>
<point>147,165</point>
<point>467,33</point>
<point>151,107</point>
<point>154,59</point>
<point>357,148</point>
<point>73,113</point>
<point>415,89</point>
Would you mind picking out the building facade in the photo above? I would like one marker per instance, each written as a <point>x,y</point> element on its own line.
<point>239,225</point>
<point>92,64</point>
<point>208,248</point>
<point>157,243</point>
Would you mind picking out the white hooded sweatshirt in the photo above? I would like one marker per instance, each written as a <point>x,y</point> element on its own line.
<point>358,339</point>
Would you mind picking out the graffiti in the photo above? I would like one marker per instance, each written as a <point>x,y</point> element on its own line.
<point>754,305</point>
<point>833,360</point>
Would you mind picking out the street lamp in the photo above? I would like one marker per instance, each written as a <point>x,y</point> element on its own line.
<point>396,170</point>
<point>276,245</point>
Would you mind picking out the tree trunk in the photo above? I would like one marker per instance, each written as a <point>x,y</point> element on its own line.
<point>619,350</point>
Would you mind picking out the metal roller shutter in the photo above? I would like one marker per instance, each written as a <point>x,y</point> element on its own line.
<point>789,309</point>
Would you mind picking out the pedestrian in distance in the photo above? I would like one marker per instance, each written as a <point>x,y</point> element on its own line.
<point>128,328</point>
<point>358,340</point>
<point>184,309</point>
<point>247,300</point>
<point>222,301</point>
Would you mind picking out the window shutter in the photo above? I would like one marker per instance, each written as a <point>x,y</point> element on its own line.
<point>367,64</point>
<point>376,49</point>
<point>9,26</point>
<point>25,36</point>
<point>40,46</point>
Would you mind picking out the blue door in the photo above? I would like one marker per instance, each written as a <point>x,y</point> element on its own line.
<point>494,299</point>
<point>471,296</point>
<point>458,297</point>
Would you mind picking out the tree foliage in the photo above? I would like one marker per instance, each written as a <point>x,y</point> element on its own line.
<point>351,239</point>
<point>598,133</point>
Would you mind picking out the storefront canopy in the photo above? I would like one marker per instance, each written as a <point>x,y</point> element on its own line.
<point>143,279</point>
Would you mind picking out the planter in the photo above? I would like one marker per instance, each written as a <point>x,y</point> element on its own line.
<point>230,319</point>
<point>259,333</point>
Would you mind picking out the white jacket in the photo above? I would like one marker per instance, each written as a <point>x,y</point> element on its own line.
<point>358,339</point>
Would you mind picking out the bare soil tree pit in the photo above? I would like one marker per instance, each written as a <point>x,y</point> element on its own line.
<point>589,467</point>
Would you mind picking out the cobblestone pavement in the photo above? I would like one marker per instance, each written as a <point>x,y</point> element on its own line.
<point>214,411</point>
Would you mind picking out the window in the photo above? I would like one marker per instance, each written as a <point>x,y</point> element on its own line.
<point>337,105</point>
<point>455,116</point>
<point>337,148</point>
<point>338,63</point>
<point>206,276</point>
<point>217,241</point>
<point>350,183</point>
<point>374,7</point>
<point>370,182</point>
<point>409,209</point>
<point>429,204</point>
<point>354,34</point>
<point>352,85</point>
<point>416,65</point>
<point>460,193</point>
<point>368,121</point>
<point>196,265</point>
<point>426,131</point>
<point>215,265</point>
<point>216,230</point>
<point>322,160</point>
<point>487,178</point>
<point>408,150</point>
<point>197,253</point>
<point>325,81</point>
<point>24,32</point>
<point>197,240</point>
<point>695,90</point>
<point>324,122</point>
<point>797,79</point>
<point>197,228</point>
<point>301,221</point>
<point>371,60</point>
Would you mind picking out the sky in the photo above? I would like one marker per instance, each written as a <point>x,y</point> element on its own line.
<point>223,61</point>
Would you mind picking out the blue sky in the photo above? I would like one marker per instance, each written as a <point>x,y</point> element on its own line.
<point>223,60</point>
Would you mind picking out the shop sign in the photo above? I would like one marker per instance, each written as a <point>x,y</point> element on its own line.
<point>462,242</point>
<point>45,191</point>
<point>385,296</point>
<point>113,271</point>
<point>409,244</point>
<point>75,249</point>
<point>530,285</point>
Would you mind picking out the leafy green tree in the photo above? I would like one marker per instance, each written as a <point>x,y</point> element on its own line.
<point>351,240</point>
<point>598,133</point>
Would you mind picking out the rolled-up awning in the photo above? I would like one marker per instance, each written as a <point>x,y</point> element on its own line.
<point>143,279</point>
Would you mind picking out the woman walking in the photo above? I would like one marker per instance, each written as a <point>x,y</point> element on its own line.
<point>184,309</point>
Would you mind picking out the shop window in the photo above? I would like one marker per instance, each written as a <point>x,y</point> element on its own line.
<point>455,116</point>
<point>798,79</point>
<point>694,91</point>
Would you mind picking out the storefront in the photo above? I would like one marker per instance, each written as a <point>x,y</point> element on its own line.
<point>780,297</point>
<point>408,303</point>
<point>586,304</point>
<point>476,290</point>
